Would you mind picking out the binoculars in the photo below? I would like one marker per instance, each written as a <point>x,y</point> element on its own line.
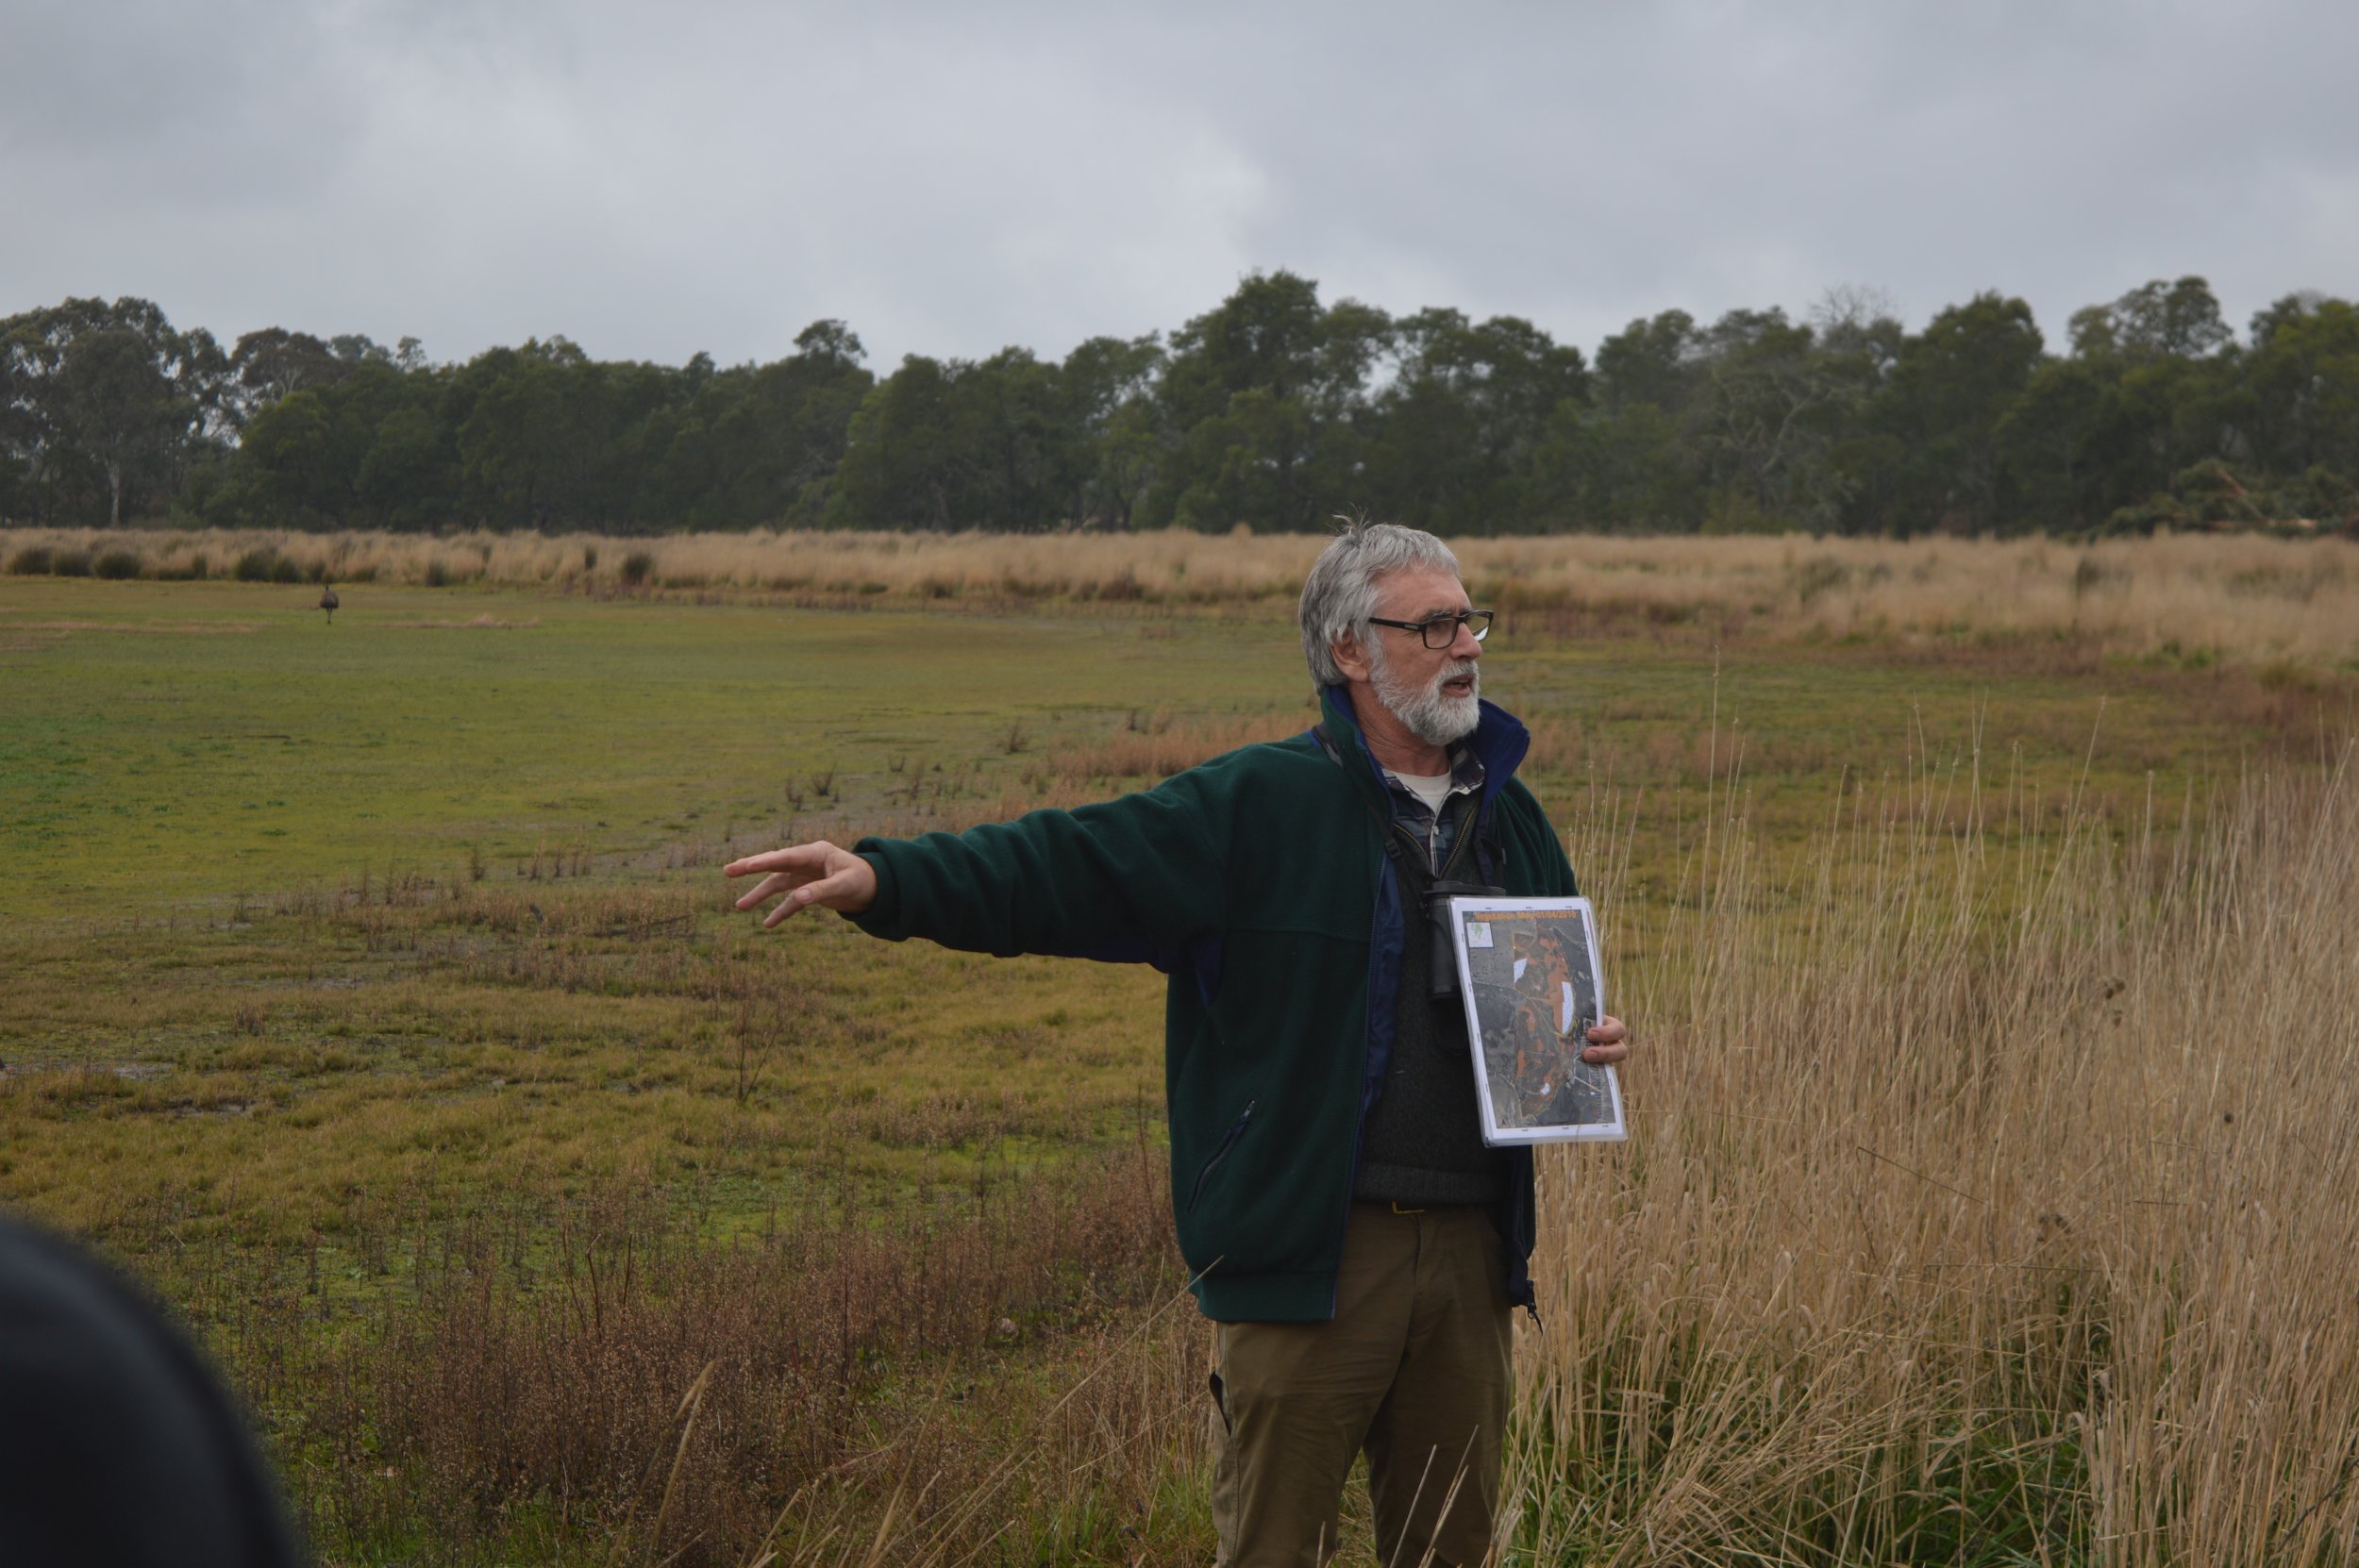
<point>1442,972</point>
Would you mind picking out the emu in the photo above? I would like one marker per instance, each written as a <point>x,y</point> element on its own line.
<point>328,603</point>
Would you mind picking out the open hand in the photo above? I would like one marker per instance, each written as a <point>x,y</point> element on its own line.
<point>1609,1042</point>
<point>816,873</point>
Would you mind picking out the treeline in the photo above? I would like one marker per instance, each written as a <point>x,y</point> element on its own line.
<point>1274,408</point>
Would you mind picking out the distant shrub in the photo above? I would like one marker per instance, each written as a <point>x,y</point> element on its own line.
<point>284,570</point>
<point>2321,493</point>
<point>119,565</point>
<point>31,561</point>
<point>70,563</point>
<point>437,575</point>
<point>589,557</point>
<point>255,565</point>
<point>2212,494</point>
<point>2209,477</point>
<point>637,567</point>
<point>2155,512</point>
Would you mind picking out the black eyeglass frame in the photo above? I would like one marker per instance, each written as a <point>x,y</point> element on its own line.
<point>1474,621</point>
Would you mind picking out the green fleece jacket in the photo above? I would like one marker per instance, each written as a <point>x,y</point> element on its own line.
<point>1258,881</point>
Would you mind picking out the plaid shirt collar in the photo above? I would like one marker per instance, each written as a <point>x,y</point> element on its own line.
<point>1439,834</point>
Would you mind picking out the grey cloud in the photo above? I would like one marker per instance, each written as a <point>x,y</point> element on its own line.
<point>952,179</point>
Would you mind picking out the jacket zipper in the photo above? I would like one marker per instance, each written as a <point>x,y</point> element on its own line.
<point>1384,863</point>
<point>1228,1142</point>
<point>1468,838</point>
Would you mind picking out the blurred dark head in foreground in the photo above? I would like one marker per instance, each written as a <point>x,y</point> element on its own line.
<point>118,1445</point>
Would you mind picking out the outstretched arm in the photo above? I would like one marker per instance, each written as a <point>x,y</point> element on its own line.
<point>816,873</point>
<point>1127,878</point>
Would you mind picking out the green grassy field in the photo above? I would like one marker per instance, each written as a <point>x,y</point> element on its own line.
<point>181,741</point>
<point>335,953</point>
<point>175,742</point>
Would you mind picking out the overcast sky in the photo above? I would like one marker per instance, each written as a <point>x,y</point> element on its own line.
<point>653,180</point>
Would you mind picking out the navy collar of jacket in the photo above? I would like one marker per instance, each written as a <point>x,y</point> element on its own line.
<point>1498,742</point>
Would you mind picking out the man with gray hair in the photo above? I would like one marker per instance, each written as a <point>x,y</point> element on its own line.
<point>1358,1246</point>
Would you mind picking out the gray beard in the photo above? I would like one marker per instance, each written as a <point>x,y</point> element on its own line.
<point>1436,720</point>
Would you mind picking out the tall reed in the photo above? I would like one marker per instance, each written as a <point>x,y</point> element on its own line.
<point>1989,1199</point>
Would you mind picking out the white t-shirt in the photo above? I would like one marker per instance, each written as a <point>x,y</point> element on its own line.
<point>1432,789</point>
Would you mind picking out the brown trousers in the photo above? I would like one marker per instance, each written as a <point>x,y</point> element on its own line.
<point>1414,1369</point>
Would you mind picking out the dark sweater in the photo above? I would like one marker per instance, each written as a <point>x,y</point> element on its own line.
<point>1424,1139</point>
<point>1257,882</point>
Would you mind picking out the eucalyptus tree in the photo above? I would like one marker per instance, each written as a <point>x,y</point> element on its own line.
<point>1457,429</point>
<point>1109,391</point>
<point>106,401</point>
<point>1950,387</point>
<point>1266,397</point>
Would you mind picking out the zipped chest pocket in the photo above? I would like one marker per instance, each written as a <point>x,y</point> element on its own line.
<point>1228,1142</point>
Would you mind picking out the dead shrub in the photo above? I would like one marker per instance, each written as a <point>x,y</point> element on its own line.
<point>507,1380</point>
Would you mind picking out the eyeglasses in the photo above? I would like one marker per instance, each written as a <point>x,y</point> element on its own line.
<point>1440,631</point>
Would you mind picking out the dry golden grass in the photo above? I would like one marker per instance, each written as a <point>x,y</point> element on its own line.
<point>1999,1209</point>
<point>2245,596</point>
<point>2258,597</point>
<point>1153,747</point>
